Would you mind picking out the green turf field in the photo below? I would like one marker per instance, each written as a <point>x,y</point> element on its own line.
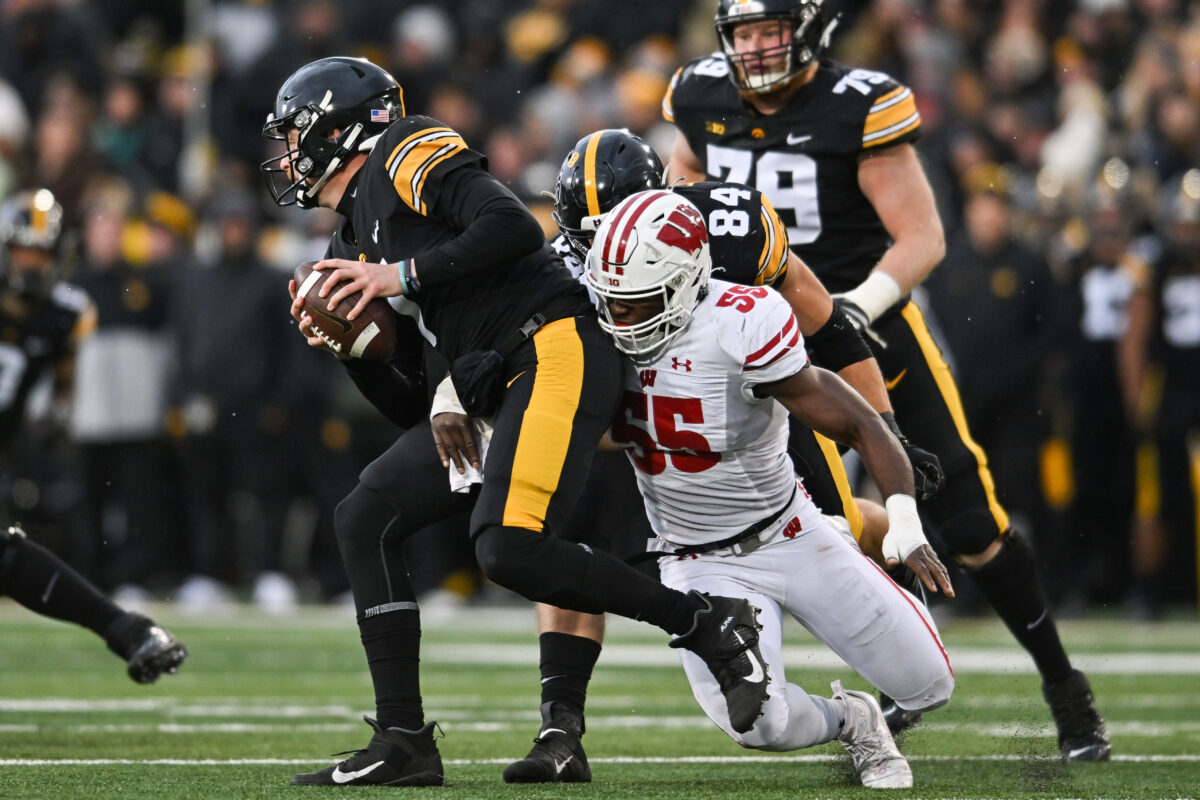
<point>262,698</point>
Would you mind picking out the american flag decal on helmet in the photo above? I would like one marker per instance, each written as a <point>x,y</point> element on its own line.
<point>380,115</point>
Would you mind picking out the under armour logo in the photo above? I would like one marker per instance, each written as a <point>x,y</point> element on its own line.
<point>684,365</point>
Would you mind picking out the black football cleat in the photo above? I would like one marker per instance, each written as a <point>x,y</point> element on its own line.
<point>1081,734</point>
<point>898,720</point>
<point>557,755</point>
<point>149,650</point>
<point>725,634</point>
<point>393,757</point>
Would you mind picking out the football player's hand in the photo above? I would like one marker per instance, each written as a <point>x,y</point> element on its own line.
<point>928,476</point>
<point>454,435</point>
<point>305,322</point>
<point>858,318</point>
<point>373,280</point>
<point>929,569</point>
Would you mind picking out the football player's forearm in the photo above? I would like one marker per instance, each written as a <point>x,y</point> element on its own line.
<point>864,377</point>
<point>913,256</point>
<point>885,460</point>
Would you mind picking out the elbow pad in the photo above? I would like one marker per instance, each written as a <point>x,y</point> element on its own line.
<point>837,344</point>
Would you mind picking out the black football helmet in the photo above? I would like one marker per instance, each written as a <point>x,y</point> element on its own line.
<point>601,170</point>
<point>351,96</point>
<point>807,20</point>
<point>34,221</point>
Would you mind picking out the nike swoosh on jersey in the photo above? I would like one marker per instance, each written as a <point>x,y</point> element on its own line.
<point>794,139</point>
<point>345,777</point>
<point>756,671</point>
<point>891,384</point>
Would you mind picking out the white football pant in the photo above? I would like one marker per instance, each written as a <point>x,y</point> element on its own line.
<point>841,596</point>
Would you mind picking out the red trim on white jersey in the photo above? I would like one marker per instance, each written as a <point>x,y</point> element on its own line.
<point>773,347</point>
<point>908,598</point>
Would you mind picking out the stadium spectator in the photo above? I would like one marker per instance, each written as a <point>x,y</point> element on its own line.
<point>229,386</point>
<point>1161,349</point>
<point>118,418</point>
<point>1000,309</point>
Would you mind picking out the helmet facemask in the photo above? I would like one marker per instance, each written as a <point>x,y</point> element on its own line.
<point>803,33</point>
<point>652,245</point>
<point>320,150</point>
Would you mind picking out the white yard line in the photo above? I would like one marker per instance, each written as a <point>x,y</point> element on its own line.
<point>815,758</point>
<point>595,722</point>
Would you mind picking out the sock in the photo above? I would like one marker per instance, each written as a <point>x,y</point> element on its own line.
<point>566,666</point>
<point>1010,583</point>
<point>42,582</point>
<point>392,641</point>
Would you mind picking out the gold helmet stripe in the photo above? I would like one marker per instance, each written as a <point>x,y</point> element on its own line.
<point>589,175</point>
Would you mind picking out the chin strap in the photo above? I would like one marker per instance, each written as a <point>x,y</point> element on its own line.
<point>346,146</point>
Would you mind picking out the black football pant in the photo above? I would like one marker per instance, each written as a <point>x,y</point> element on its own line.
<point>966,514</point>
<point>563,389</point>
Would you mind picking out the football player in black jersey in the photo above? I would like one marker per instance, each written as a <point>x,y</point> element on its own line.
<point>748,239</point>
<point>42,320</point>
<point>426,225</point>
<point>1163,333</point>
<point>832,147</point>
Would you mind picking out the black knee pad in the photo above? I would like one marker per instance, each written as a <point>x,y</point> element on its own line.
<point>540,567</point>
<point>508,556</point>
<point>11,540</point>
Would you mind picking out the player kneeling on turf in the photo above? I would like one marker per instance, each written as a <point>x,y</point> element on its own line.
<point>715,369</point>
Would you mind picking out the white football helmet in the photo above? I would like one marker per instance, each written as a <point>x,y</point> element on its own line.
<point>651,244</point>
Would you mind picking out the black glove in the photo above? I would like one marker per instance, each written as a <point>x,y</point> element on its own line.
<point>858,318</point>
<point>928,477</point>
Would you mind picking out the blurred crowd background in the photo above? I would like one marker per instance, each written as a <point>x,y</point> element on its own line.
<point>207,445</point>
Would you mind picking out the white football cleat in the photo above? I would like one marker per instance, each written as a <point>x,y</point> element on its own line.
<point>866,737</point>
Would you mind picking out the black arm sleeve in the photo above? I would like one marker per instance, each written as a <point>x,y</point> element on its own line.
<point>399,396</point>
<point>496,228</point>
<point>837,344</point>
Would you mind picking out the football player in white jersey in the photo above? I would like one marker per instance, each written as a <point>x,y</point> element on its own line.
<point>714,370</point>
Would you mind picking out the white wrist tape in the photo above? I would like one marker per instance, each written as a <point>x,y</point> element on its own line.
<point>904,528</point>
<point>875,295</point>
<point>445,399</point>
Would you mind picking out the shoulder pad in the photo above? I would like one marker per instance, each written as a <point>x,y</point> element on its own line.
<point>694,82</point>
<point>416,148</point>
<point>887,107</point>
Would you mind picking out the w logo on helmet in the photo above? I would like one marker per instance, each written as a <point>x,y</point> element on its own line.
<point>684,229</point>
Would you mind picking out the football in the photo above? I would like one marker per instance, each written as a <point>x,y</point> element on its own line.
<point>372,335</point>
